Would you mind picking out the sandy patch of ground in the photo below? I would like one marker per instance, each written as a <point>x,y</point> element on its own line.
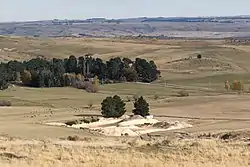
<point>134,126</point>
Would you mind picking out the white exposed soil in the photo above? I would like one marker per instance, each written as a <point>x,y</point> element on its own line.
<point>133,126</point>
<point>101,122</point>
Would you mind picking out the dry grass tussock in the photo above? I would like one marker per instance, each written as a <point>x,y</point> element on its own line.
<point>208,153</point>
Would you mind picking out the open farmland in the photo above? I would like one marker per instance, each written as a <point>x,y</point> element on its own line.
<point>209,108</point>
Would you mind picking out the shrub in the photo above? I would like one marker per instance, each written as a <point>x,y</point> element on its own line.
<point>90,87</point>
<point>5,103</point>
<point>113,107</point>
<point>80,85</point>
<point>237,85</point>
<point>156,97</point>
<point>141,107</point>
<point>74,122</point>
<point>73,138</point>
<point>199,56</point>
<point>93,119</point>
<point>3,84</point>
<point>79,77</point>
<point>183,93</point>
<point>77,81</point>
<point>86,121</point>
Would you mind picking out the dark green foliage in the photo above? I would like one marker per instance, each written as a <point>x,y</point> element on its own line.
<point>71,64</point>
<point>39,72</point>
<point>113,107</point>
<point>4,76</point>
<point>141,107</point>
<point>146,71</point>
<point>82,65</point>
<point>57,68</point>
<point>13,67</point>
<point>199,56</point>
<point>115,68</point>
<point>3,84</point>
<point>37,64</point>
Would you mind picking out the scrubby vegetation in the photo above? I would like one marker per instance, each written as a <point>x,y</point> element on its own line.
<point>4,103</point>
<point>237,86</point>
<point>84,72</point>
<point>3,84</point>
<point>183,93</point>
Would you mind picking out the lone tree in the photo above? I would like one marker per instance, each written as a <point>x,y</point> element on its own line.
<point>113,107</point>
<point>199,56</point>
<point>141,107</point>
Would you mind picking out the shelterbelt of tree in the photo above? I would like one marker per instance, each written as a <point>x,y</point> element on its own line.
<point>73,71</point>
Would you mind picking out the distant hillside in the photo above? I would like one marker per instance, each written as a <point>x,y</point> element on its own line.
<point>192,27</point>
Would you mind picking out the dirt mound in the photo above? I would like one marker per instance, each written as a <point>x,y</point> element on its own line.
<point>133,126</point>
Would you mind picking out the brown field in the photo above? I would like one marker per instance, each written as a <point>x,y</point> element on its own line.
<point>209,108</point>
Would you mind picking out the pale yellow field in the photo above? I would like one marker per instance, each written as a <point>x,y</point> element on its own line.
<point>124,152</point>
<point>209,108</point>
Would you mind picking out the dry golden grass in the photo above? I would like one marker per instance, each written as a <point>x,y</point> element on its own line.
<point>66,103</point>
<point>190,153</point>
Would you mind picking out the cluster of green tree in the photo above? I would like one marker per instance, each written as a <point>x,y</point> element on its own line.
<point>71,71</point>
<point>115,107</point>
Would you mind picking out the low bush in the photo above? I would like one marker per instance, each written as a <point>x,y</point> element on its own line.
<point>237,85</point>
<point>199,56</point>
<point>5,103</point>
<point>87,85</point>
<point>74,122</point>
<point>85,121</point>
<point>3,84</point>
<point>183,93</point>
<point>91,88</point>
<point>73,138</point>
<point>156,97</point>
